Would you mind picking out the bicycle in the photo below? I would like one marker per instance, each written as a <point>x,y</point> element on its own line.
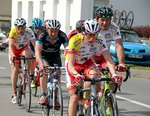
<point>53,85</point>
<point>36,79</point>
<point>109,95</point>
<point>96,107</point>
<point>23,85</point>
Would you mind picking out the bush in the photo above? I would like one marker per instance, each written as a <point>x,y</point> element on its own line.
<point>142,31</point>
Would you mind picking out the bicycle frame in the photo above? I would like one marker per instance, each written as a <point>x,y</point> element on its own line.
<point>53,86</point>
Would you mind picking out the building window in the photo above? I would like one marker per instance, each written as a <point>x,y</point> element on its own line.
<point>20,9</point>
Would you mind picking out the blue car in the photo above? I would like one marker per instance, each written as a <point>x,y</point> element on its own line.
<point>136,52</point>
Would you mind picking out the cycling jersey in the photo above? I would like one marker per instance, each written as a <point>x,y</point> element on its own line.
<point>49,50</point>
<point>84,51</point>
<point>21,41</point>
<point>111,34</point>
<point>72,33</point>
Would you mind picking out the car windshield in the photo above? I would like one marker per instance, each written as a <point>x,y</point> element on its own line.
<point>130,37</point>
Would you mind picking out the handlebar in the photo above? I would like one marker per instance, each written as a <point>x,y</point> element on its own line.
<point>49,69</point>
<point>128,73</point>
<point>22,58</point>
<point>93,81</point>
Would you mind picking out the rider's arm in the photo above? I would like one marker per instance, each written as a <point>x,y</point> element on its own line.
<point>38,49</point>
<point>33,42</point>
<point>110,62</point>
<point>71,61</point>
<point>120,50</point>
<point>11,45</point>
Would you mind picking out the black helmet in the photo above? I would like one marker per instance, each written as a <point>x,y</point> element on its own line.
<point>104,12</point>
<point>80,26</point>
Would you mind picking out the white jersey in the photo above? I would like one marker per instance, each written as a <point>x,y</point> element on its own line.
<point>111,34</point>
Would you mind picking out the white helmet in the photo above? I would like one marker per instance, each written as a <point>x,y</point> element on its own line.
<point>91,26</point>
<point>20,22</point>
<point>55,24</point>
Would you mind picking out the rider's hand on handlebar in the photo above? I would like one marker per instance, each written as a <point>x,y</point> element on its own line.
<point>117,78</point>
<point>121,68</point>
<point>79,79</point>
<point>12,58</point>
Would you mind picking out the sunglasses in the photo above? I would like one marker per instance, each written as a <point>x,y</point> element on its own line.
<point>91,35</point>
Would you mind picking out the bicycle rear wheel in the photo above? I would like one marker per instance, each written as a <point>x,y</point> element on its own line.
<point>27,92</point>
<point>34,89</point>
<point>57,109</point>
<point>19,94</point>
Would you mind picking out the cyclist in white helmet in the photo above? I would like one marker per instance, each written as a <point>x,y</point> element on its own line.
<point>47,52</point>
<point>19,38</point>
<point>81,48</point>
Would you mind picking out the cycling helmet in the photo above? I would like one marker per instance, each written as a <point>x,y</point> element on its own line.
<point>104,12</point>
<point>55,24</point>
<point>20,22</point>
<point>36,22</point>
<point>80,26</point>
<point>44,24</point>
<point>91,26</point>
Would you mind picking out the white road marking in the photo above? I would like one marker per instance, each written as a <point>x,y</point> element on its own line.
<point>2,68</point>
<point>129,100</point>
<point>132,101</point>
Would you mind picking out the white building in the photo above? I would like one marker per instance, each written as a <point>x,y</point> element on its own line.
<point>70,11</point>
<point>66,11</point>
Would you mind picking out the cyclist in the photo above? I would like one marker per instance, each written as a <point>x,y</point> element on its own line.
<point>47,52</point>
<point>37,28</point>
<point>111,32</point>
<point>79,29</point>
<point>81,48</point>
<point>19,39</point>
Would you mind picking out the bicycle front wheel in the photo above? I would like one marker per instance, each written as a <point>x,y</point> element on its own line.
<point>57,107</point>
<point>27,92</point>
<point>113,104</point>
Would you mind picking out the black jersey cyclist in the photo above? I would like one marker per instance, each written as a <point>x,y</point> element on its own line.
<point>47,51</point>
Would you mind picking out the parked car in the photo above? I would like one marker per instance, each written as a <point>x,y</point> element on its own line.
<point>3,41</point>
<point>136,52</point>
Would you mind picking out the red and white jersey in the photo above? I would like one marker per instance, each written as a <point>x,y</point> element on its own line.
<point>111,34</point>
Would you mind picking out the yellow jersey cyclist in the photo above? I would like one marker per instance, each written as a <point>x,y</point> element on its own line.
<point>111,32</point>
<point>81,48</point>
<point>47,53</point>
<point>19,39</point>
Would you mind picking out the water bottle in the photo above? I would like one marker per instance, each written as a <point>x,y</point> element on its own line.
<point>49,84</point>
<point>100,93</point>
<point>35,71</point>
<point>55,78</point>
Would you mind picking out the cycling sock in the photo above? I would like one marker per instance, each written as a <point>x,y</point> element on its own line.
<point>15,93</point>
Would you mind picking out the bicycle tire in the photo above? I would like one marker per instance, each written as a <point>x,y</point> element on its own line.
<point>99,110</point>
<point>116,17</point>
<point>129,20</point>
<point>34,89</point>
<point>123,19</point>
<point>19,94</point>
<point>60,100</point>
<point>45,110</point>
<point>113,103</point>
<point>27,93</point>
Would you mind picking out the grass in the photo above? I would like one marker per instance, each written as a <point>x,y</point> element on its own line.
<point>139,67</point>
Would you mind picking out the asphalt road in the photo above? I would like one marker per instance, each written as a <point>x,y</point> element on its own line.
<point>133,100</point>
